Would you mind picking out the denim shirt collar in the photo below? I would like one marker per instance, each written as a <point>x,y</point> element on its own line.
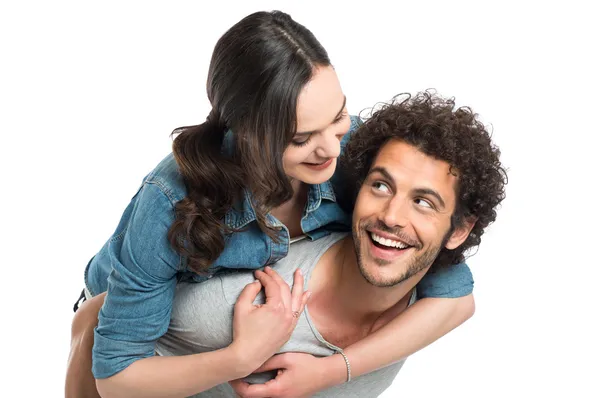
<point>243,213</point>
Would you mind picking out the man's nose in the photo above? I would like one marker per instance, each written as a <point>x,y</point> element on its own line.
<point>395,213</point>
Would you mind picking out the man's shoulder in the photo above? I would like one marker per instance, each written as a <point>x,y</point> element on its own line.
<point>302,255</point>
<point>305,254</point>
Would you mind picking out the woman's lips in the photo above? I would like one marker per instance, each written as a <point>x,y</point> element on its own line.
<point>319,166</point>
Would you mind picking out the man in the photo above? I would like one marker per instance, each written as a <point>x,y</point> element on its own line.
<point>426,180</point>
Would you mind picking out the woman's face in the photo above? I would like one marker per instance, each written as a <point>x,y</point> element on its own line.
<point>322,121</point>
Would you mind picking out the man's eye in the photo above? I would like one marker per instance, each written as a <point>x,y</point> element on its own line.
<point>380,186</point>
<point>423,203</point>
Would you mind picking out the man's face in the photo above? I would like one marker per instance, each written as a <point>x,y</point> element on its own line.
<point>401,219</point>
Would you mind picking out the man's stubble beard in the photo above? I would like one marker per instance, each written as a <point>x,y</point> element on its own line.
<point>416,265</point>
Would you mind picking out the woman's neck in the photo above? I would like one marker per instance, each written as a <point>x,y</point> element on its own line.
<point>290,213</point>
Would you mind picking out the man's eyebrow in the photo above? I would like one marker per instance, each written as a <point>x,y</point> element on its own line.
<point>430,192</point>
<point>383,172</point>
<point>333,121</point>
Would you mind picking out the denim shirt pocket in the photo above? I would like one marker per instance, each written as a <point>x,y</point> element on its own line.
<point>248,248</point>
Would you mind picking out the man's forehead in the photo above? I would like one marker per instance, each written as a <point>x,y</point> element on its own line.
<point>407,163</point>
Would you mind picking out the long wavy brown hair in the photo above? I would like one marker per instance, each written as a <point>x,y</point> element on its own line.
<point>257,70</point>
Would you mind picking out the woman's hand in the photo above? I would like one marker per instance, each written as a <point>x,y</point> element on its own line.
<point>260,330</point>
<point>298,375</point>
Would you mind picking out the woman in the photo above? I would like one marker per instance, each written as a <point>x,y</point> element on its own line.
<point>235,192</point>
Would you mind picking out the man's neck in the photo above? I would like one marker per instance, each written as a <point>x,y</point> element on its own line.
<point>345,303</point>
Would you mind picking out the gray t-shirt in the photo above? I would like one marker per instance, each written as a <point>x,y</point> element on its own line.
<point>202,320</point>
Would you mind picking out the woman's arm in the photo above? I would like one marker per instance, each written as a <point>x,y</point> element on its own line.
<point>174,376</point>
<point>143,275</point>
<point>137,310</point>
<point>420,325</point>
<point>145,373</point>
<point>415,328</point>
<point>190,374</point>
<point>446,303</point>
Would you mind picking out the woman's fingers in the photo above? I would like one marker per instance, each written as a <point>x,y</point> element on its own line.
<point>297,291</point>
<point>285,288</point>
<point>304,301</point>
<point>248,295</point>
<point>272,288</point>
<point>278,293</point>
<point>277,278</point>
<point>297,299</point>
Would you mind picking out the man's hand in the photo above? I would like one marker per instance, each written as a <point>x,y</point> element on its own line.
<point>298,375</point>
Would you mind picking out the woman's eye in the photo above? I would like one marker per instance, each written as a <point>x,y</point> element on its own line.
<point>423,203</point>
<point>341,117</point>
<point>301,141</point>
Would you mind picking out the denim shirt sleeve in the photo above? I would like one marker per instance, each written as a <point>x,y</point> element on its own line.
<point>141,286</point>
<point>447,282</point>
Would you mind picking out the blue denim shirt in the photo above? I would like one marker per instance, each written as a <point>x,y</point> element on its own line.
<point>140,269</point>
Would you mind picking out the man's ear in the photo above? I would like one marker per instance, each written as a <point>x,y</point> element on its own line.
<point>461,233</point>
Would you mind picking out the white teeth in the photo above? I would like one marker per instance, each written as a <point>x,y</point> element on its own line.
<point>388,242</point>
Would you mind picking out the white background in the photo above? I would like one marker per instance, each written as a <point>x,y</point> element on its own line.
<point>90,92</point>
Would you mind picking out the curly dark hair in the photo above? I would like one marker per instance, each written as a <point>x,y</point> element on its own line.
<point>432,124</point>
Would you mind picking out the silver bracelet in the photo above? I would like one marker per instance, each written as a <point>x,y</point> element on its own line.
<point>347,365</point>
